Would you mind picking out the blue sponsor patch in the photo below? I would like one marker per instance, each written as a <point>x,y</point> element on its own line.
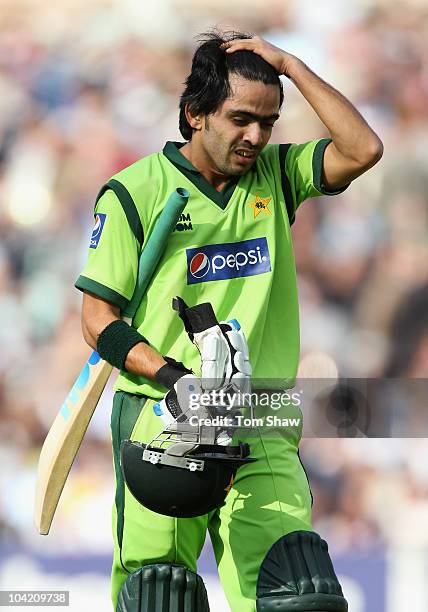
<point>227,260</point>
<point>100,219</point>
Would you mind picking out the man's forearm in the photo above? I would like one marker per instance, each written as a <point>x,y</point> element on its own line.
<point>351,134</point>
<point>144,360</point>
<point>97,314</point>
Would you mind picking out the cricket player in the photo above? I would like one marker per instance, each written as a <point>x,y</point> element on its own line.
<point>233,249</point>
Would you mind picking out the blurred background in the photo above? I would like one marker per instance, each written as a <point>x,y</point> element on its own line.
<point>87,87</point>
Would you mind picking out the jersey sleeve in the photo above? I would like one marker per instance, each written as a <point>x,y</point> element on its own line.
<point>112,265</point>
<point>302,171</point>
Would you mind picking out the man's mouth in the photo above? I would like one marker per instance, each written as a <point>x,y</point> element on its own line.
<point>245,154</point>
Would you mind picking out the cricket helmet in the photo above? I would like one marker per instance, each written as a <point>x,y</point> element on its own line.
<point>181,484</point>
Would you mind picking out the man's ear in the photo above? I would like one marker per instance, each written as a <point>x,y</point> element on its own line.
<point>195,121</point>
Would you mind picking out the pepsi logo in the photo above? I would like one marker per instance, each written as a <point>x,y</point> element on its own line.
<point>199,265</point>
<point>97,227</point>
<point>100,219</point>
<point>228,260</point>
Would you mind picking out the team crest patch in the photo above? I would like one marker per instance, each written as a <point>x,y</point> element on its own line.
<point>260,205</point>
<point>100,219</point>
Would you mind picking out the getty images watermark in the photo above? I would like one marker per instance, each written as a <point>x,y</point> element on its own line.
<point>318,407</point>
<point>234,408</point>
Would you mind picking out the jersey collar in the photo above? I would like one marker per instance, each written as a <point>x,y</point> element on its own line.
<point>172,151</point>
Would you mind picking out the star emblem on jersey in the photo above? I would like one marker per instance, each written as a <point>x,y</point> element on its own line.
<point>260,205</point>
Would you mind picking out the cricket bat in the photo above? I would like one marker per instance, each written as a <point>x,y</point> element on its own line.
<point>69,427</point>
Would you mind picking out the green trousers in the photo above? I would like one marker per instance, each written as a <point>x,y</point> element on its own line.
<point>270,498</point>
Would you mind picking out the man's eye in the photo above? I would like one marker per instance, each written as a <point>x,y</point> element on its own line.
<point>239,121</point>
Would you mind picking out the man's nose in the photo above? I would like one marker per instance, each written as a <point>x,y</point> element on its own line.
<point>253,134</point>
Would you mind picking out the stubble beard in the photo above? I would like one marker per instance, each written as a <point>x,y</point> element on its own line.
<point>226,165</point>
<point>222,156</point>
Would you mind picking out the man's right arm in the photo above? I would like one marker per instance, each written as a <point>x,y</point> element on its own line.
<point>97,313</point>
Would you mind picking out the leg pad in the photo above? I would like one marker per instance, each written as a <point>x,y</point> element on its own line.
<point>297,575</point>
<point>163,587</point>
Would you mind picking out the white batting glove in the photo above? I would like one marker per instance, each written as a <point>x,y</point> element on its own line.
<point>225,357</point>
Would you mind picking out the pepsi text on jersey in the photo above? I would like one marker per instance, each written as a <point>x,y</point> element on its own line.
<point>228,260</point>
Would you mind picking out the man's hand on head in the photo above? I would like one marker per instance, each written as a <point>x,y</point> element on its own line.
<point>282,61</point>
<point>355,147</point>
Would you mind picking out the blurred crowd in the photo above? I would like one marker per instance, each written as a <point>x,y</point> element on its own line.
<point>87,88</point>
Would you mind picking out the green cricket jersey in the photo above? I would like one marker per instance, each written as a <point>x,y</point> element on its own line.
<point>232,248</point>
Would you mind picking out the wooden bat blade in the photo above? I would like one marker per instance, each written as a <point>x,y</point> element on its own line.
<point>64,438</point>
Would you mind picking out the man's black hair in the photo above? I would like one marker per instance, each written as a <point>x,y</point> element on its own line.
<point>207,86</point>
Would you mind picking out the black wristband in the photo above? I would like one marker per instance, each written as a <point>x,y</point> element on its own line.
<point>168,374</point>
<point>115,342</point>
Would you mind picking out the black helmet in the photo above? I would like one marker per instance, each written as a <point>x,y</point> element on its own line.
<point>180,481</point>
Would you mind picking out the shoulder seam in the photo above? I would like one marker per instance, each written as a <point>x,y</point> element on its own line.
<point>285,183</point>
<point>128,206</point>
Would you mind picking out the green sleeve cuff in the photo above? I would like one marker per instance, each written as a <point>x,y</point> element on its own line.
<point>87,284</point>
<point>317,168</point>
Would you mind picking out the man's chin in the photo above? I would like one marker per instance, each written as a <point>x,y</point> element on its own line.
<point>239,169</point>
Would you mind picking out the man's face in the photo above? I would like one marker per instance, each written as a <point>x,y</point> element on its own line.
<point>234,135</point>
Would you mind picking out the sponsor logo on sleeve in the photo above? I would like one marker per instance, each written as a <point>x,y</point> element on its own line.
<point>100,219</point>
<point>229,260</point>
